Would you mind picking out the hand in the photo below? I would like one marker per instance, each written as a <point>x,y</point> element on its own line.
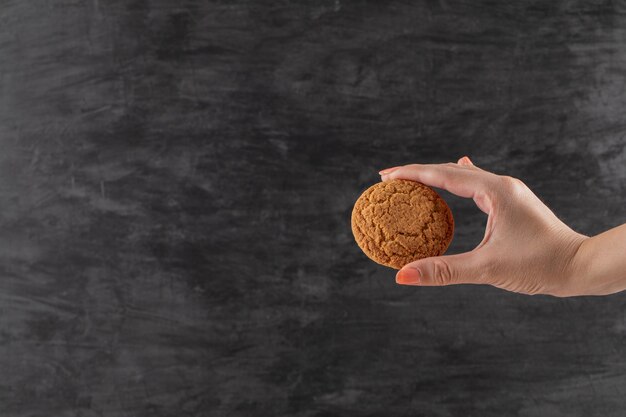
<point>525,249</point>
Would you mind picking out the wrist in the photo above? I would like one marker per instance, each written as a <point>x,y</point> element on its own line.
<point>563,264</point>
<point>593,266</point>
<point>577,270</point>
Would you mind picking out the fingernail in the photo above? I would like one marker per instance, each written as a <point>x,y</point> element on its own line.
<point>409,276</point>
<point>388,170</point>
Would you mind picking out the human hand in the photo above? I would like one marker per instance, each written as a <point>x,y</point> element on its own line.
<point>525,249</point>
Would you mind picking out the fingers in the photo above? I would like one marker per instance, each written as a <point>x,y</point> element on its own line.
<point>463,268</point>
<point>451,177</point>
<point>465,161</point>
<point>465,180</point>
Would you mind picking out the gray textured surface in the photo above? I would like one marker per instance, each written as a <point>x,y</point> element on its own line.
<point>176,180</point>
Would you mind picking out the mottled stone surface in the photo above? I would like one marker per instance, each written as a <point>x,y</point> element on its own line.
<point>176,181</point>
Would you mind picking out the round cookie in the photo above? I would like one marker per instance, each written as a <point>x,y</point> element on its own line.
<point>401,221</point>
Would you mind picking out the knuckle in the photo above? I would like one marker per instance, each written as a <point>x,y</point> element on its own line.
<point>512,184</point>
<point>442,272</point>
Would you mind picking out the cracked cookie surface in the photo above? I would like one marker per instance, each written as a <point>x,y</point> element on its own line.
<point>401,221</point>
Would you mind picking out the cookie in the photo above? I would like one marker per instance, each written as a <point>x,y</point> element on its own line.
<point>401,221</point>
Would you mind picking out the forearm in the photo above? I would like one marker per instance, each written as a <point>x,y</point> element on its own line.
<point>600,263</point>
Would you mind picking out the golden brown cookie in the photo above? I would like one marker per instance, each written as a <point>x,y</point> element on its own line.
<point>401,221</point>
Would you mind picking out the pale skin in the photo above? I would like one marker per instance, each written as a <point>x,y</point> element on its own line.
<point>525,249</point>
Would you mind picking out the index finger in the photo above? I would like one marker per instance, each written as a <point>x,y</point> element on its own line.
<point>462,181</point>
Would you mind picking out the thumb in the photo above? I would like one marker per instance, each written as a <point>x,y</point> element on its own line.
<point>463,268</point>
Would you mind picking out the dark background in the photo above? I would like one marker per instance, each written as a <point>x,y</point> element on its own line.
<point>176,182</point>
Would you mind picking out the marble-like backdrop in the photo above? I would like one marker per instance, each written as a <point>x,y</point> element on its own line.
<point>176,181</point>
